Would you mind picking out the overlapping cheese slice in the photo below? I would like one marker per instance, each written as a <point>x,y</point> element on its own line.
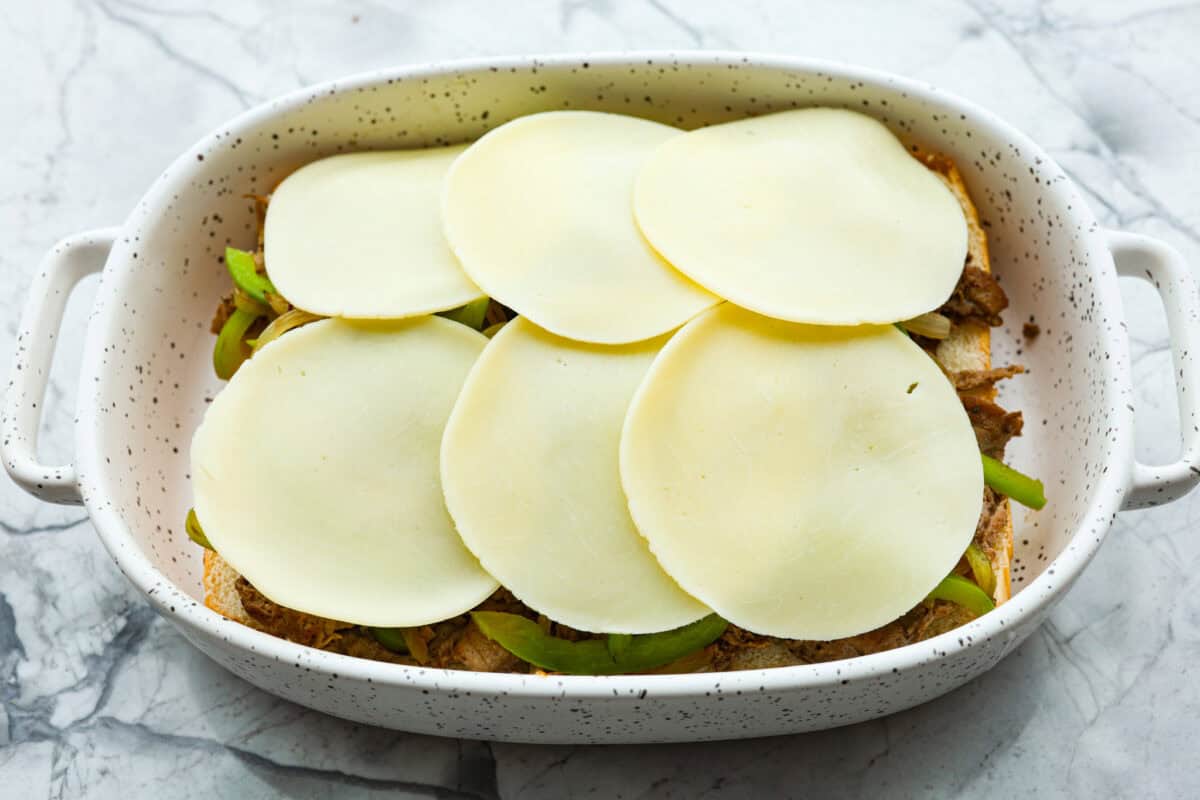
<point>808,482</point>
<point>360,236</point>
<point>539,213</point>
<point>817,215</point>
<point>529,467</point>
<point>315,472</point>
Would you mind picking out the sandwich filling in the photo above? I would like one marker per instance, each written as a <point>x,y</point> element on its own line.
<point>504,634</point>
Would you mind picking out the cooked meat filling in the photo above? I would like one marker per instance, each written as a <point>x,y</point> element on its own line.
<point>453,644</point>
<point>993,425</point>
<point>991,533</point>
<point>295,626</point>
<point>977,296</point>
<point>969,380</point>
<point>738,649</point>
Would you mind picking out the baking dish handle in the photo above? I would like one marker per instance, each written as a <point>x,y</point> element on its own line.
<point>1163,267</point>
<point>71,260</point>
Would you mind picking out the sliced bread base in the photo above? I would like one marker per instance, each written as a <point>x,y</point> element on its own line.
<point>220,590</point>
<point>969,347</point>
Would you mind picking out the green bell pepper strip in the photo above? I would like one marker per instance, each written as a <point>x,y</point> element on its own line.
<point>957,589</point>
<point>525,639</point>
<point>194,531</point>
<point>391,638</point>
<point>981,568</point>
<point>472,314</point>
<point>230,351</point>
<point>618,645</point>
<point>246,276</point>
<point>1007,481</point>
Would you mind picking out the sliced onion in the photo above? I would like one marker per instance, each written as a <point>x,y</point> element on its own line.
<point>932,325</point>
<point>278,303</point>
<point>981,568</point>
<point>418,648</point>
<point>282,324</point>
<point>247,303</point>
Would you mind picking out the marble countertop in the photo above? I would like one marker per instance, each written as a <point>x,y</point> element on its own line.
<point>100,697</point>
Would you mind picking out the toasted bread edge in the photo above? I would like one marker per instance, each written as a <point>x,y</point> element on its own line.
<point>220,590</point>
<point>970,344</point>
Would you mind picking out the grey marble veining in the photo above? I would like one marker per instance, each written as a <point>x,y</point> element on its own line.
<point>100,697</point>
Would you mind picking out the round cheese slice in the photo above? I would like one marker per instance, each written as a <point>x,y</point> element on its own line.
<point>817,215</point>
<point>803,481</point>
<point>360,236</point>
<point>315,472</point>
<point>539,213</point>
<point>548,517</point>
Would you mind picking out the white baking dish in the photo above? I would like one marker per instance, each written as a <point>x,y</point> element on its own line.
<point>147,375</point>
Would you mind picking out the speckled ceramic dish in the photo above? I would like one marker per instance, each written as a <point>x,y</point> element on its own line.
<point>147,376</point>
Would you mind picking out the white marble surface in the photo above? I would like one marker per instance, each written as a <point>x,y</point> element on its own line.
<point>99,697</point>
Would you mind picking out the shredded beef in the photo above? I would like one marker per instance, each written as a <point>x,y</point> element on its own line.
<point>993,425</point>
<point>991,532</point>
<point>739,649</point>
<point>453,644</point>
<point>222,314</point>
<point>977,296</point>
<point>941,618</point>
<point>725,657</point>
<point>360,644</point>
<point>474,651</point>
<point>292,625</point>
<point>971,379</point>
<point>895,634</point>
<point>457,643</point>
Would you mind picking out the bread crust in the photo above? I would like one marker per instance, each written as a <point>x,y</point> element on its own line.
<point>220,591</point>
<point>969,346</point>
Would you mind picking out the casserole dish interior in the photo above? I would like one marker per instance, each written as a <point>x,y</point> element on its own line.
<point>151,376</point>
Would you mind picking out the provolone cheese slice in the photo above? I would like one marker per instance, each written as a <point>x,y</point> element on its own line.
<point>315,472</point>
<point>360,236</point>
<point>548,518</point>
<point>803,481</point>
<point>818,216</point>
<point>539,213</point>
